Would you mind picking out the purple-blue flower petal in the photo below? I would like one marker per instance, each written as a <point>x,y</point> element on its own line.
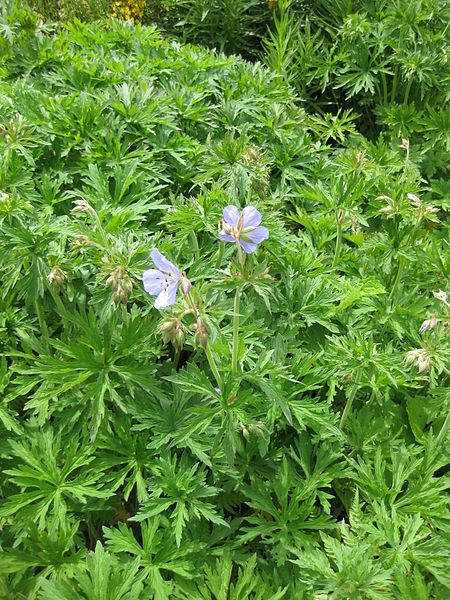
<point>258,235</point>
<point>231,215</point>
<point>251,217</point>
<point>225,237</point>
<point>163,264</point>
<point>248,247</point>
<point>154,281</point>
<point>168,296</point>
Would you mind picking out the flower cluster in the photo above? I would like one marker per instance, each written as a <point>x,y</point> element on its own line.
<point>129,10</point>
<point>240,228</point>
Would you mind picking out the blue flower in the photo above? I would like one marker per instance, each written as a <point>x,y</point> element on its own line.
<point>243,228</point>
<point>163,281</point>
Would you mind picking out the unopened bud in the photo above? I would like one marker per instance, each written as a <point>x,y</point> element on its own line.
<point>405,144</point>
<point>245,431</point>
<point>186,285</point>
<point>420,358</point>
<point>442,296</point>
<point>415,200</point>
<point>172,331</point>
<point>81,205</point>
<point>82,240</point>
<point>56,276</point>
<point>201,333</point>
<point>428,324</point>
<point>121,284</point>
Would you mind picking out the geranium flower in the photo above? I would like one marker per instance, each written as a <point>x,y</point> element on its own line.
<point>163,281</point>
<point>243,228</point>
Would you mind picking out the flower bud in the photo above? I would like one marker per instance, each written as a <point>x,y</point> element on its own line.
<point>405,144</point>
<point>245,431</point>
<point>81,240</point>
<point>172,330</point>
<point>428,324</point>
<point>201,333</point>
<point>186,285</point>
<point>420,358</point>
<point>81,205</point>
<point>56,276</point>
<point>121,284</point>
<point>442,296</point>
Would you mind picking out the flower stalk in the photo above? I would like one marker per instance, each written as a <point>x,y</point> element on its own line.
<point>350,399</point>
<point>206,345</point>
<point>443,432</point>
<point>337,250</point>
<point>235,346</point>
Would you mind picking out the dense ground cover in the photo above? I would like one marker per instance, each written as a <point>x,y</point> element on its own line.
<point>280,431</point>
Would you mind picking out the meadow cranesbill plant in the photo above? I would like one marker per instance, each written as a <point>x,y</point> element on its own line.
<point>295,394</point>
<point>243,228</point>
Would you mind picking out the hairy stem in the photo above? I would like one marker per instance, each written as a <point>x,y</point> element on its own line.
<point>337,249</point>
<point>407,91</point>
<point>207,346</point>
<point>235,347</point>
<point>42,323</point>
<point>398,277</point>
<point>176,357</point>
<point>443,432</point>
<point>213,366</point>
<point>350,399</point>
<point>220,254</point>
<point>196,246</point>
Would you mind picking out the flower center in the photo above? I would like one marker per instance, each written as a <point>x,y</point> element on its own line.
<point>238,232</point>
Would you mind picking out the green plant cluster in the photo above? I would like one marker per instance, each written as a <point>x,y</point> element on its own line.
<point>382,66</point>
<point>318,469</point>
<point>231,26</point>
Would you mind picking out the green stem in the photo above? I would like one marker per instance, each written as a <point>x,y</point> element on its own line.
<point>337,249</point>
<point>394,85</point>
<point>441,437</point>
<point>407,91</point>
<point>220,254</point>
<point>101,231</point>
<point>124,312</point>
<point>350,399</point>
<point>235,347</point>
<point>56,299</point>
<point>42,324</point>
<point>401,266</point>
<point>207,347</point>
<point>196,246</point>
<point>213,366</point>
<point>176,358</point>
<point>385,89</point>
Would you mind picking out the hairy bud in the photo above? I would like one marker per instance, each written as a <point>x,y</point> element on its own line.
<point>420,358</point>
<point>201,333</point>
<point>121,284</point>
<point>186,285</point>
<point>428,324</point>
<point>442,296</point>
<point>172,330</point>
<point>81,205</point>
<point>57,276</point>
